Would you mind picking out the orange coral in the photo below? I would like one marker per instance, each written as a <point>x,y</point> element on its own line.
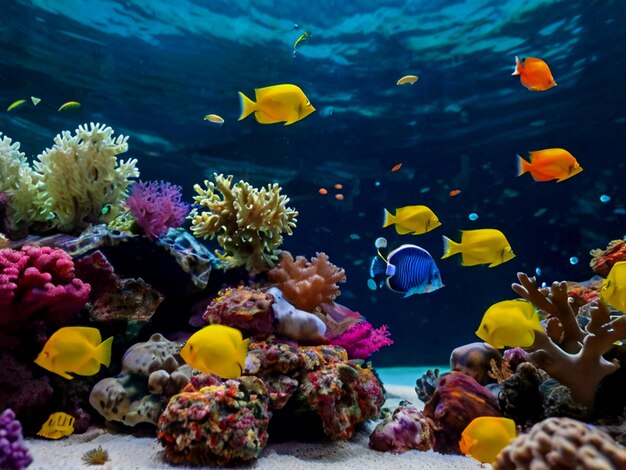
<point>307,284</point>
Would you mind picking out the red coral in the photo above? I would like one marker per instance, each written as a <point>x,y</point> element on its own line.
<point>307,284</point>
<point>362,340</point>
<point>38,280</point>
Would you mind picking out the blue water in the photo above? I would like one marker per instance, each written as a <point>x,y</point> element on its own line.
<point>151,69</point>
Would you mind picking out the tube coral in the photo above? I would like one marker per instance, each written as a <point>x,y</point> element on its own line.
<point>83,178</point>
<point>307,284</point>
<point>157,206</point>
<point>26,201</point>
<point>247,222</point>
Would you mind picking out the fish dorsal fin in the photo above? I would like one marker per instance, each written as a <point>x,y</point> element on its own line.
<point>274,89</point>
<point>532,60</point>
<point>92,335</point>
<point>485,235</point>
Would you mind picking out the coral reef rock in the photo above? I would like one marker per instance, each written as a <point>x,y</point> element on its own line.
<point>405,429</point>
<point>223,424</point>
<point>474,359</point>
<point>426,385</point>
<point>562,443</point>
<point>603,260</point>
<point>307,284</point>
<point>151,373</point>
<point>457,400</point>
<point>244,308</point>
<point>296,324</point>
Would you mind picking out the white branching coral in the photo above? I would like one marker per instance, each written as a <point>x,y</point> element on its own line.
<point>83,178</point>
<point>26,202</point>
<point>247,222</point>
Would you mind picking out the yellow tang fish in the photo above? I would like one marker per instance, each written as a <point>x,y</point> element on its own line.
<point>510,323</point>
<point>58,425</point>
<point>276,103</point>
<point>218,349</point>
<point>613,290</point>
<point>486,436</point>
<point>481,246</point>
<point>76,349</point>
<point>214,118</point>
<point>412,219</point>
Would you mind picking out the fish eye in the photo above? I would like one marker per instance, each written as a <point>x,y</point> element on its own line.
<point>485,327</point>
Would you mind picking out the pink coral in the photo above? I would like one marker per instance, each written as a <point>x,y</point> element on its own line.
<point>307,284</point>
<point>157,206</point>
<point>38,279</point>
<point>361,340</point>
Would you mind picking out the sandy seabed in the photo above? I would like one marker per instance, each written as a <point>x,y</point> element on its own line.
<point>133,453</point>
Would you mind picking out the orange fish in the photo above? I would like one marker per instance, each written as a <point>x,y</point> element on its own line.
<point>534,74</point>
<point>549,164</point>
<point>323,191</point>
<point>396,167</point>
<point>454,192</point>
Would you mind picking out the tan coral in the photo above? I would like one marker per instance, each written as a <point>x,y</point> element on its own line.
<point>307,284</point>
<point>247,222</point>
<point>83,178</point>
<point>559,443</point>
<point>22,185</point>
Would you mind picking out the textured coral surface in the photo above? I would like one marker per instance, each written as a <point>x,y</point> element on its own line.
<point>13,453</point>
<point>405,429</point>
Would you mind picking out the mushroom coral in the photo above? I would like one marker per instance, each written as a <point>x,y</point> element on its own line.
<point>577,361</point>
<point>82,177</point>
<point>247,222</point>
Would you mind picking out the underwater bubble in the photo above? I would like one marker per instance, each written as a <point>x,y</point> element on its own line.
<point>377,183</point>
<point>538,271</point>
<point>573,260</point>
<point>380,242</point>
<point>355,236</point>
<point>544,284</point>
<point>424,190</point>
<point>371,283</point>
<point>473,216</point>
<point>605,198</point>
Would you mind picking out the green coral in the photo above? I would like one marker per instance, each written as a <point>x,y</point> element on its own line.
<point>27,203</point>
<point>82,177</point>
<point>247,222</point>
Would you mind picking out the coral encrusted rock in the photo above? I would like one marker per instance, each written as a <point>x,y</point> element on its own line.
<point>405,429</point>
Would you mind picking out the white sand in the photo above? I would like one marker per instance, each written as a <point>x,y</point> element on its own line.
<point>130,453</point>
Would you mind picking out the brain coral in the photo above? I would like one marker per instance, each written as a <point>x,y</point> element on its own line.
<point>22,185</point>
<point>83,178</point>
<point>247,222</point>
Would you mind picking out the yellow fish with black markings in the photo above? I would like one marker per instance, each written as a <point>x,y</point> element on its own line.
<point>510,323</point>
<point>613,290</point>
<point>412,219</point>
<point>76,349</point>
<point>57,426</point>
<point>481,246</point>
<point>277,103</point>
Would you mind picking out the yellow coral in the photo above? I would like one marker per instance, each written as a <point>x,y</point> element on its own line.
<point>247,222</point>
<point>22,185</point>
<point>83,178</point>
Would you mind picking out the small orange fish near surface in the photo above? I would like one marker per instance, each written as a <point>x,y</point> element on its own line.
<point>339,197</point>
<point>338,186</point>
<point>396,167</point>
<point>549,164</point>
<point>454,192</point>
<point>323,191</point>
<point>534,74</point>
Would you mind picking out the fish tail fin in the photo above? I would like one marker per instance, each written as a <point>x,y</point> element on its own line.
<point>103,352</point>
<point>378,268</point>
<point>389,219</point>
<point>247,106</point>
<point>450,247</point>
<point>522,166</point>
<point>518,66</point>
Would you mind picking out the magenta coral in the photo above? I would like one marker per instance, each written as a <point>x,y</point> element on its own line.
<point>38,279</point>
<point>361,340</point>
<point>14,455</point>
<point>157,206</point>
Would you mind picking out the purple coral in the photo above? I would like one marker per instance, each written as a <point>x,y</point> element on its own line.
<point>13,453</point>
<point>361,340</point>
<point>407,428</point>
<point>38,279</point>
<point>157,206</point>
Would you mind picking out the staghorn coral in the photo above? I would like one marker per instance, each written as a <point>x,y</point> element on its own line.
<point>580,350</point>
<point>14,455</point>
<point>560,443</point>
<point>23,187</point>
<point>156,206</point>
<point>361,340</point>
<point>405,429</point>
<point>247,222</point>
<point>307,284</point>
<point>603,260</point>
<point>223,424</point>
<point>83,178</point>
